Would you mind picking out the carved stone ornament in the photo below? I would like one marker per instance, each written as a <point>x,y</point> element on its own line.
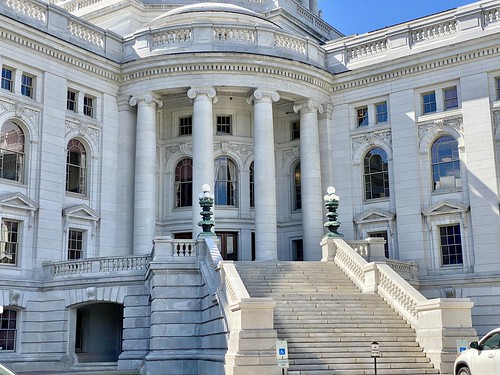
<point>364,140</point>
<point>441,124</point>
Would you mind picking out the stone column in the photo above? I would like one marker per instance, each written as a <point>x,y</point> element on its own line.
<point>145,173</point>
<point>304,3</point>
<point>266,237</point>
<point>310,170</point>
<point>313,7</point>
<point>203,145</point>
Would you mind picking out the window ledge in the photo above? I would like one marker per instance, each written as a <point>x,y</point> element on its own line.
<point>372,128</point>
<point>376,200</point>
<point>446,191</point>
<point>437,116</point>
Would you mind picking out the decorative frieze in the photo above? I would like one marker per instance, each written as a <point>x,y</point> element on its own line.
<point>366,139</point>
<point>440,124</point>
<point>89,132</point>
<point>434,31</point>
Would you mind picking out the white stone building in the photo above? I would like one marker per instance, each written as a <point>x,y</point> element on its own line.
<point>113,115</point>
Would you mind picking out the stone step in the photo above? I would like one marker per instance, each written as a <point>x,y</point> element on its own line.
<point>329,324</point>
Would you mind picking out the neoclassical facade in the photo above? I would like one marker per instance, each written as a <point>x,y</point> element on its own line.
<point>114,114</point>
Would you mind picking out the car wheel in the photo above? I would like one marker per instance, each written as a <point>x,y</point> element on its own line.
<point>464,371</point>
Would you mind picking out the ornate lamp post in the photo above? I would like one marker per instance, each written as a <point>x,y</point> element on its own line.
<point>331,204</point>
<point>206,203</point>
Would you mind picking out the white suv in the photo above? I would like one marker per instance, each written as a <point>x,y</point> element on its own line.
<point>482,358</point>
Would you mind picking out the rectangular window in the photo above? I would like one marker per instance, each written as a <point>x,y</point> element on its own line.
<point>362,116</point>
<point>75,244</point>
<point>9,242</point>
<point>71,101</point>
<point>88,106</point>
<point>186,125</point>
<point>451,244</point>
<point>223,124</point>
<point>8,329</point>
<point>497,82</point>
<point>429,102</point>
<point>7,79</point>
<point>295,130</point>
<point>27,85</point>
<point>450,98</point>
<point>381,112</point>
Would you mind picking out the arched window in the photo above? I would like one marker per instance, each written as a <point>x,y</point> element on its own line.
<point>11,152</point>
<point>252,186</point>
<point>8,329</point>
<point>184,183</point>
<point>376,174</point>
<point>297,193</point>
<point>225,182</point>
<point>445,163</point>
<point>76,167</point>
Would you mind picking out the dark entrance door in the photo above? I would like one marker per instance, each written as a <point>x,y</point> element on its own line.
<point>228,245</point>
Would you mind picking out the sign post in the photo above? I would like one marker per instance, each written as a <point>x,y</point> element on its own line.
<point>375,354</point>
<point>282,355</point>
<point>462,345</point>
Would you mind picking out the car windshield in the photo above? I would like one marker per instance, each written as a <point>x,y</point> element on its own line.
<point>492,342</point>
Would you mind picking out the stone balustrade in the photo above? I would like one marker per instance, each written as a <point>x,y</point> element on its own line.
<point>441,29</point>
<point>96,266</point>
<point>438,322</point>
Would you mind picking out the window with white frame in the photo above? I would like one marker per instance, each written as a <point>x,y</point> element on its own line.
<point>75,244</point>
<point>184,183</point>
<point>8,330</point>
<point>27,85</point>
<point>429,102</point>
<point>450,96</point>
<point>445,163</point>
<point>76,167</point>
<point>7,82</point>
<point>225,182</point>
<point>362,116</point>
<point>12,152</point>
<point>71,101</point>
<point>89,106</point>
<point>9,242</point>
<point>381,112</point>
<point>224,124</point>
<point>186,125</point>
<point>297,190</point>
<point>451,244</point>
<point>376,174</point>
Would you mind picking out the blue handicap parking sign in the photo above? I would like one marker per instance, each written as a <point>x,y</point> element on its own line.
<point>282,351</point>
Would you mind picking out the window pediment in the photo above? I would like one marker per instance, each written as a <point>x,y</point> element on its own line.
<point>445,208</point>
<point>373,216</point>
<point>82,212</point>
<point>18,201</point>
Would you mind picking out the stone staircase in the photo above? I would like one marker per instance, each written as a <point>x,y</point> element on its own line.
<point>329,324</point>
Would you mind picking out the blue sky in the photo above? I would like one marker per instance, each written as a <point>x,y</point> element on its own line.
<point>361,16</point>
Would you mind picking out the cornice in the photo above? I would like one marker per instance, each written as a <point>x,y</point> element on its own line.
<point>66,58</point>
<point>414,69</point>
<point>177,67</point>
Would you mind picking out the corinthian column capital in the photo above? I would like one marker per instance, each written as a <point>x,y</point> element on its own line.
<point>263,95</point>
<point>308,105</point>
<point>148,99</point>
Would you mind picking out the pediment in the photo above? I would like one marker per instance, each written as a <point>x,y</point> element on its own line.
<point>18,201</point>
<point>82,212</point>
<point>444,208</point>
<point>372,216</point>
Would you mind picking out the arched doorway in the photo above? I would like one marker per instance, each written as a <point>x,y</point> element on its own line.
<point>98,335</point>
